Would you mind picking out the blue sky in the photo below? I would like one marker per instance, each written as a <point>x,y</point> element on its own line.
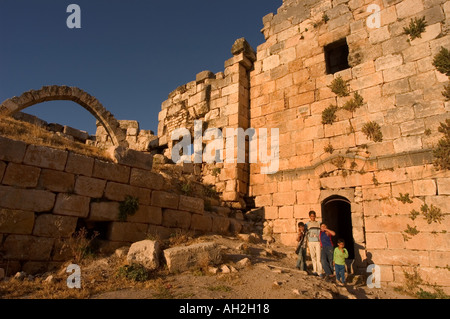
<point>128,54</point>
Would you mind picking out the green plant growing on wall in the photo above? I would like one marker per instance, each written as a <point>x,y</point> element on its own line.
<point>339,162</point>
<point>404,198</point>
<point>353,104</point>
<point>413,214</point>
<point>416,28</point>
<point>339,87</point>
<point>441,152</point>
<point>329,149</point>
<point>432,213</point>
<point>373,131</point>
<point>215,171</point>
<point>329,115</point>
<point>186,188</point>
<point>410,231</point>
<point>441,61</point>
<point>128,207</point>
<point>325,18</point>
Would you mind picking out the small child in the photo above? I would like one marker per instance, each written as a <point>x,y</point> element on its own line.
<point>339,256</point>
<point>301,247</point>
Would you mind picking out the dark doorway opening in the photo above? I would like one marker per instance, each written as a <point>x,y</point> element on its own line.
<point>336,56</point>
<point>336,214</point>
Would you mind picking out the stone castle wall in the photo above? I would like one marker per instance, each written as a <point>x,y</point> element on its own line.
<point>402,93</point>
<point>46,194</point>
<point>289,90</point>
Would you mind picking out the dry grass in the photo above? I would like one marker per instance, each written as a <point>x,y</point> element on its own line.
<point>32,134</point>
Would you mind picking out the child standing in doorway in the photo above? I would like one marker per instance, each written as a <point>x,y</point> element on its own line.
<point>339,256</point>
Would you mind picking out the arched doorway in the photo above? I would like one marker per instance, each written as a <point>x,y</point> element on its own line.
<point>336,214</point>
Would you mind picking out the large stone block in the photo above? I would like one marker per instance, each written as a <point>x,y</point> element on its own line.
<point>399,257</point>
<point>146,179</point>
<point>180,259</point>
<point>21,175</point>
<point>282,199</point>
<point>176,218</point>
<point>443,186</point>
<point>118,192</point>
<point>191,204</point>
<point>23,247</point>
<point>129,232</point>
<point>45,157</point>
<point>424,187</point>
<point>145,253</point>
<point>72,205</point>
<point>384,224</point>
<point>165,200</point>
<point>201,223</point>
<point>57,181</point>
<point>92,187</point>
<point>12,151</point>
<point>54,226</point>
<point>104,211</point>
<point>147,214</point>
<point>407,143</point>
<point>110,171</point>
<point>132,158</point>
<point>26,199</point>
<point>16,221</point>
<point>220,225</point>
<point>376,241</point>
<point>79,164</point>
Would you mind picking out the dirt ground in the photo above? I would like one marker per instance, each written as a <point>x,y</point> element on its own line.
<point>271,275</point>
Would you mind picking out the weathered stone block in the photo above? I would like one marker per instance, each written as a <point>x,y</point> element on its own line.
<point>387,223</point>
<point>26,199</point>
<point>408,8</point>
<point>388,61</point>
<point>92,187</point>
<point>16,221</point>
<point>424,187</point>
<point>129,232</point>
<point>407,143</point>
<point>23,247</point>
<point>45,157</point>
<point>201,223</point>
<point>21,175</point>
<point>12,151</point>
<point>145,253</point>
<point>443,185</point>
<point>146,179</point>
<point>191,204</point>
<point>118,192</point>
<point>54,226</point>
<point>132,158</point>
<point>376,241</point>
<point>147,214</point>
<point>284,226</point>
<point>176,218</point>
<point>104,211</point>
<point>165,200</point>
<point>79,164</point>
<point>282,199</point>
<point>110,171</point>
<point>180,259</point>
<point>220,225</point>
<point>72,205</point>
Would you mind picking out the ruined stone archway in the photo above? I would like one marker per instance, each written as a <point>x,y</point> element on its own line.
<point>56,92</point>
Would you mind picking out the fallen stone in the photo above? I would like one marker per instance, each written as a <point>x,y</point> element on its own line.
<point>50,280</point>
<point>182,258</point>
<point>21,275</point>
<point>121,252</point>
<point>296,292</point>
<point>225,269</point>
<point>146,253</point>
<point>213,270</point>
<point>245,262</point>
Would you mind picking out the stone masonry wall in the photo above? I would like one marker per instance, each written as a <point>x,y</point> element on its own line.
<point>402,93</point>
<point>221,101</point>
<point>46,194</point>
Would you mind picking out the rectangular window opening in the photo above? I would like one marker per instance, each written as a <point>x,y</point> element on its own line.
<point>336,56</point>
